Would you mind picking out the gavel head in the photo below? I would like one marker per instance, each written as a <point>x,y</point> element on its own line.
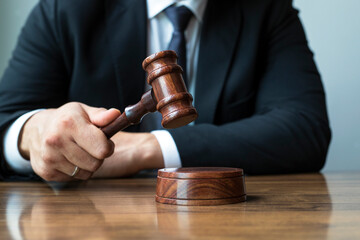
<point>174,102</point>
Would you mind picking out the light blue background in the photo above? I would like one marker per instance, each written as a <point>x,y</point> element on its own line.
<point>333,30</point>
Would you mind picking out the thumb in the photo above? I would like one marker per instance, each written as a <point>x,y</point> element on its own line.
<point>101,117</point>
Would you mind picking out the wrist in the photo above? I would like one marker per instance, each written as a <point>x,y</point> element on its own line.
<point>24,139</point>
<point>150,154</point>
<point>27,134</point>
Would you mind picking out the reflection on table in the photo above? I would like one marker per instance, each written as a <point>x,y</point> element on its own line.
<point>304,206</point>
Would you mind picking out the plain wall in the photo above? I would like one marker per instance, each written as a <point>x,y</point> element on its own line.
<point>13,14</point>
<point>333,30</point>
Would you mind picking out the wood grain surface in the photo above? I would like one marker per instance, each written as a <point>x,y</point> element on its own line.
<point>201,186</point>
<point>174,102</point>
<point>304,206</point>
<point>200,172</point>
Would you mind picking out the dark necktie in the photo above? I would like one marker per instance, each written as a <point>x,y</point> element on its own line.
<point>179,17</point>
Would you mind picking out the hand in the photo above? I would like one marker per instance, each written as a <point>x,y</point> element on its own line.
<point>133,152</point>
<point>58,140</point>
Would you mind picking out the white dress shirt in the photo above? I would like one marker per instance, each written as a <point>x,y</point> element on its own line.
<point>160,32</point>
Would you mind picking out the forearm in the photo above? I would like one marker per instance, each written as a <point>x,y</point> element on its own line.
<point>280,141</point>
<point>133,152</point>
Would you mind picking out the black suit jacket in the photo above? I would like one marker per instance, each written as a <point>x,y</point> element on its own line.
<point>258,93</point>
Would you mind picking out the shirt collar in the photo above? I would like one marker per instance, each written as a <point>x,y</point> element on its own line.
<point>154,7</point>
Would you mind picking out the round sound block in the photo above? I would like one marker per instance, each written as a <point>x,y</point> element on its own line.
<point>200,186</point>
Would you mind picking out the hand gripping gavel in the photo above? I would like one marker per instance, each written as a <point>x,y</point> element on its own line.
<point>168,95</point>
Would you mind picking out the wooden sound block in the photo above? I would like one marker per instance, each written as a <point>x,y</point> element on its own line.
<point>200,186</point>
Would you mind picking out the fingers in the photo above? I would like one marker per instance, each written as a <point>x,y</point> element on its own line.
<point>46,171</point>
<point>100,116</point>
<point>88,135</point>
<point>65,156</point>
<point>67,168</point>
<point>55,167</point>
<point>94,141</point>
<point>61,139</point>
<point>76,156</point>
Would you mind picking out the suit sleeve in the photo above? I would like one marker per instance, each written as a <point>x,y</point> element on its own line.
<point>36,76</point>
<point>289,131</point>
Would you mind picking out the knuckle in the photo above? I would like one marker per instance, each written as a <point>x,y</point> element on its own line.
<point>95,166</point>
<point>49,176</point>
<point>54,140</point>
<point>104,151</point>
<point>67,122</point>
<point>71,105</point>
<point>46,174</point>
<point>47,159</point>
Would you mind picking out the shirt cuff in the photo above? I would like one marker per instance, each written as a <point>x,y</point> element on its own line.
<point>10,145</point>
<point>168,148</point>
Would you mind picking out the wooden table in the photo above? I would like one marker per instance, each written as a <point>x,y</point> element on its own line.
<point>304,206</point>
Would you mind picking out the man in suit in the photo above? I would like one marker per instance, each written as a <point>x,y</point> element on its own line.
<point>259,96</point>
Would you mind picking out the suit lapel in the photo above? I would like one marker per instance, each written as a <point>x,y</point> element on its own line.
<point>127,35</point>
<point>220,32</point>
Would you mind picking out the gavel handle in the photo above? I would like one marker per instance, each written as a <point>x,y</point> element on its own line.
<point>132,114</point>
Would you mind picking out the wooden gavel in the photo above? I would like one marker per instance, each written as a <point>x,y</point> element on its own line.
<point>168,95</point>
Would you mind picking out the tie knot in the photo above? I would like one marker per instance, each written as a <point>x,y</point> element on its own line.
<point>179,17</point>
